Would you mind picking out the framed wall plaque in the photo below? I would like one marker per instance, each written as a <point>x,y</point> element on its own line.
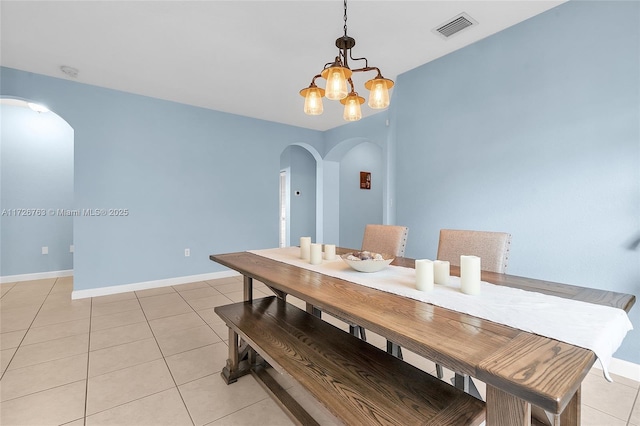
<point>365,180</point>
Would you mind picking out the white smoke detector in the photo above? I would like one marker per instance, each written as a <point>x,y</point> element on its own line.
<point>70,71</point>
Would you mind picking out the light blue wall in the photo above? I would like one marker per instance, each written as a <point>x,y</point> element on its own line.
<point>352,148</point>
<point>36,163</point>
<point>372,128</point>
<point>190,178</point>
<point>358,207</point>
<point>302,218</point>
<point>534,131</point>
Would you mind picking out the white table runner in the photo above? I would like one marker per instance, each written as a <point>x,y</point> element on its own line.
<point>587,325</point>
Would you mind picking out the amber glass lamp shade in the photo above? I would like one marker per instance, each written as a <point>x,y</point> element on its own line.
<point>336,82</point>
<point>379,95</point>
<point>313,100</point>
<point>352,111</point>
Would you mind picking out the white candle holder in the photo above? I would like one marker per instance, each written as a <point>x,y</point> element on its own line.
<point>329,251</point>
<point>305,247</point>
<point>315,255</point>
<point>470,274</point>
<point>424,275</point>
<point>441,271</point>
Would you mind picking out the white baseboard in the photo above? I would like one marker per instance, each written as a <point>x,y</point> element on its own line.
<point>622,368</point>
<point>36,276</point>
<point>124,288</point>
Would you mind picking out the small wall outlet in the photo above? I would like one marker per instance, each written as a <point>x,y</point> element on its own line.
<point>71,248</point>
<point>45,250</point>
<point>187,252</point>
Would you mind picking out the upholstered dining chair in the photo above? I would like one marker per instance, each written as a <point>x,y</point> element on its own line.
<point>493,250</point>
<point>388,239</point>
<point>491,247</point>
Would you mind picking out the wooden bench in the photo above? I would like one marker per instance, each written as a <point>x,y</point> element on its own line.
<point>357,382</point>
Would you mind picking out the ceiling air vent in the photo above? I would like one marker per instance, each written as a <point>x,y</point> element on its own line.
<point>455,25</point>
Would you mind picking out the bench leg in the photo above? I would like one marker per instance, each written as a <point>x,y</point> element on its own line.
<point>363,335</point>
<point>239,361</point>
<point>358,331</point>
<point>313,310</point>
<point>394,349</point>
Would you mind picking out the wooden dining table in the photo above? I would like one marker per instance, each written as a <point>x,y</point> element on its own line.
<point>523,372</point>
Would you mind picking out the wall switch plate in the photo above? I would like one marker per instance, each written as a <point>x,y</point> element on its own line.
<point>187,252</point>
<point>71,248</point>
<point>45,250</point>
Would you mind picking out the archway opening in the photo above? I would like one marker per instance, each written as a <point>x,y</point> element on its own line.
<point>349,206</point>
<point>37,163</point>
<point>298,195</point>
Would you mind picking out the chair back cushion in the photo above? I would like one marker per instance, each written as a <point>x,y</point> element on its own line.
<point>491,247</point>
<point>389,239</point>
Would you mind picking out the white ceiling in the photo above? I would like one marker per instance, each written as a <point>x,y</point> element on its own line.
<point>244,57</point>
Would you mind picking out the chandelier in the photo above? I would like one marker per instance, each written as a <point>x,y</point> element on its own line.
<point>338,75</point>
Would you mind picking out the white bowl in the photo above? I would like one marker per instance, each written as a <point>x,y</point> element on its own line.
<point>369,265</point>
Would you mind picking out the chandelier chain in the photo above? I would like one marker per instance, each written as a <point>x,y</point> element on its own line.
<point>345,18</point>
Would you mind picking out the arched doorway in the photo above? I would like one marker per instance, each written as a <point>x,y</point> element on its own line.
<point>342,209</point>
<point>300,194</point>
<point>352,205</point>
<point>37,193</point>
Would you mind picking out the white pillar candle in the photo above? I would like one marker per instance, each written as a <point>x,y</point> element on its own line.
<point>424,275</point>
<point>305,246</point>
<point>315,254</point>
<point>470,274</point>
<point>441,271</point>
<point>329,251</point>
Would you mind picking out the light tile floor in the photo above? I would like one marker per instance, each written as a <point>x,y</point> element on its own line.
<point>154,357</point>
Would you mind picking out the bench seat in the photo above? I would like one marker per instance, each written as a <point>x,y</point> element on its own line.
<point>357,382</point>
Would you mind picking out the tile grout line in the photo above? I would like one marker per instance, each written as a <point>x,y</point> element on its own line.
<point>198,313</point>
<point>635,402</point>
<point>28,328</point>
<point>86,388</point>
<point>208,325</point>
<point>212,374</point>
<point>25,335</point>
<point>127,402</point>
<point>20,345</point>
<point>164,358</point>
<point>88,360</point>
